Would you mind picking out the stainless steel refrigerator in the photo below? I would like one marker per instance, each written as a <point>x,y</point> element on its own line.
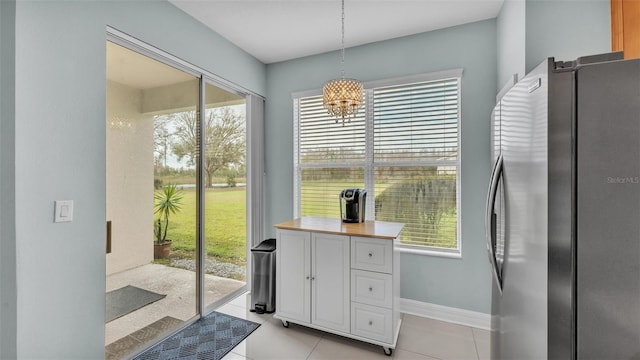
<point>563,212</point>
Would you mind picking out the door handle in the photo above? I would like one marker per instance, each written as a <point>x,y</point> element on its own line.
<point>490,219</point>
<point>109,237</point>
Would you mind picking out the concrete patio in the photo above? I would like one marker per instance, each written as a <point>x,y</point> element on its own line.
<point>179,303</point>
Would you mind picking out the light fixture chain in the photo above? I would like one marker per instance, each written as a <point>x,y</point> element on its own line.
<point>342,97</point>
<point>342,63</point>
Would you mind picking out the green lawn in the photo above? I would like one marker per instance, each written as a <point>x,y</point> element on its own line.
<point>225,224</point>
<point>326,194</point>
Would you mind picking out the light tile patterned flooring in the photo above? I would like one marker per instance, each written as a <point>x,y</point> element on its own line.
<point>420,339</point>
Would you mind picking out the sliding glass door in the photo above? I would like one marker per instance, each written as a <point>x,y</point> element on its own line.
<point>176,220</point>
<point>224,183</point>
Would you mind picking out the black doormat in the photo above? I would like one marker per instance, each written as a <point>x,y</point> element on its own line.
<point>122,301</point>
<point>211,337</point>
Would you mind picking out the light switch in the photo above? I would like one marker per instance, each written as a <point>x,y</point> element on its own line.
<point>64,211</point>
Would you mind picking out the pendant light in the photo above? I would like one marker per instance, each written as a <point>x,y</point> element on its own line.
<point>342,97</point>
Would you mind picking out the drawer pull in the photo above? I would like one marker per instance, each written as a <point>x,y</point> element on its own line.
<point>370,322</point>
<point>370,253</point>
<point>307,277</point>
<point>370,288</point>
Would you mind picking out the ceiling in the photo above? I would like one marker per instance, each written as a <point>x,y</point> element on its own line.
<point>129,68</point>
<point>278,30</point>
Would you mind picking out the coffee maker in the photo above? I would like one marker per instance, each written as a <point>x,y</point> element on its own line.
<point>352,205</point>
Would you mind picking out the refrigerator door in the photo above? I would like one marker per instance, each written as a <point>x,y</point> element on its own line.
<point>522,329</point>
<point>561,214</point>
<point>608,211</point>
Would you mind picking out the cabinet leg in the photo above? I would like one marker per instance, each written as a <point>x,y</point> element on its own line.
<point>285,323</point>
<point>387,351</point>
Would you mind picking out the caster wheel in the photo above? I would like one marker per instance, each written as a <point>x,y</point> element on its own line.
<point>285,323</point>
<point>387,351</point>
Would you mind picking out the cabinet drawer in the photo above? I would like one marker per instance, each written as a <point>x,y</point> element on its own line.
<point>371,288</point>
<point>372,254</point>
<point>371,322</point>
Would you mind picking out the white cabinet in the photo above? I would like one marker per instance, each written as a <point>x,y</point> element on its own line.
<point>372,254</point>
<point>372,288</point>
<point>330,306</point>
<point>340,278</point>
<point>312,279</point>
<point>293,271</point>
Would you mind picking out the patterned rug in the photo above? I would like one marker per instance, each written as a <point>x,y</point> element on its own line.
<point>211,337</point>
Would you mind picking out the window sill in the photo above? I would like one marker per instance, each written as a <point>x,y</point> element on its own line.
<point>408,249</point>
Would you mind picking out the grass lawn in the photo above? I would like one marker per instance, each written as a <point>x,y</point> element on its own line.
<point>225,224</point>
<point>225,221</point>
<point>327,194</point>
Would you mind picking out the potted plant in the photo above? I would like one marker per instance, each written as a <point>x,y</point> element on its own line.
<point>168,201</point>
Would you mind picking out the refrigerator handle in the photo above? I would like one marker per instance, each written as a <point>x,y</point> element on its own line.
<point>490,218</point>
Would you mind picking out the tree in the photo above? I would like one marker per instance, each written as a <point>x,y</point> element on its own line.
<point>224,139</point>
<point>161,140</point>
<point>421,203</point>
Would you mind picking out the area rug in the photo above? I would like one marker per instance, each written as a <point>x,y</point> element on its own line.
<point>127,299</point>
<point>211,337</point>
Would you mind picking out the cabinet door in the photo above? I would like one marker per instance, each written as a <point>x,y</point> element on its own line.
<point>293,287</point>
<point>625,27</point>
<point>330,281</point>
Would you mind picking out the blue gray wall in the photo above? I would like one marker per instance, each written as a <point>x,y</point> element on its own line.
<point>7,182</point>
<point>511,41</point>
<point>463,283</point>
<point>533,30</point>
<point>566,29</point>
<point>59,138</point>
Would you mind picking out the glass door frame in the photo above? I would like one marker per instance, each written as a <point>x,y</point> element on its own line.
<point>254,122</point>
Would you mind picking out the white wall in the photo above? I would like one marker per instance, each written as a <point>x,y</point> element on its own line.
<point>129,179</point>
<point>60,153</point>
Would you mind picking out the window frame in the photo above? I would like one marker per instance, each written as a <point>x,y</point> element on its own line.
<point>369,164</point>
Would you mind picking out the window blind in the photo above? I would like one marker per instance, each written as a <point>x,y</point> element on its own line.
<point>323,140</point>
<point>417,125</point>
<point>404,148</point>
<point>416,121</point>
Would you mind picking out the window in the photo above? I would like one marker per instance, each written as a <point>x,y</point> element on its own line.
<point>402,148</point>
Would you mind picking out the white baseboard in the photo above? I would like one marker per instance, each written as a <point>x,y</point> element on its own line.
<point>444,313</point>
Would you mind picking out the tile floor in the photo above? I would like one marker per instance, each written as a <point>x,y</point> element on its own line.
<point>420,339</point>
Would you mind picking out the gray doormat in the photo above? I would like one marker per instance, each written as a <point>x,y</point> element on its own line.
<point>122,301</point>
<point>211,337</point>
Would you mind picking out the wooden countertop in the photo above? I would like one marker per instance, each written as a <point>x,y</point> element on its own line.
<point>376,229</point>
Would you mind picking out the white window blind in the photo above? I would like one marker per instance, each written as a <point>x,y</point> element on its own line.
<point>403,150</point>
<point>331,158</point>
<point>415,160</point>
<point>416,122</point>
<point>323,140</point>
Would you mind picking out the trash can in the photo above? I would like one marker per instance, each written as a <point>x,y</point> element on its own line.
<point>263,279</point>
